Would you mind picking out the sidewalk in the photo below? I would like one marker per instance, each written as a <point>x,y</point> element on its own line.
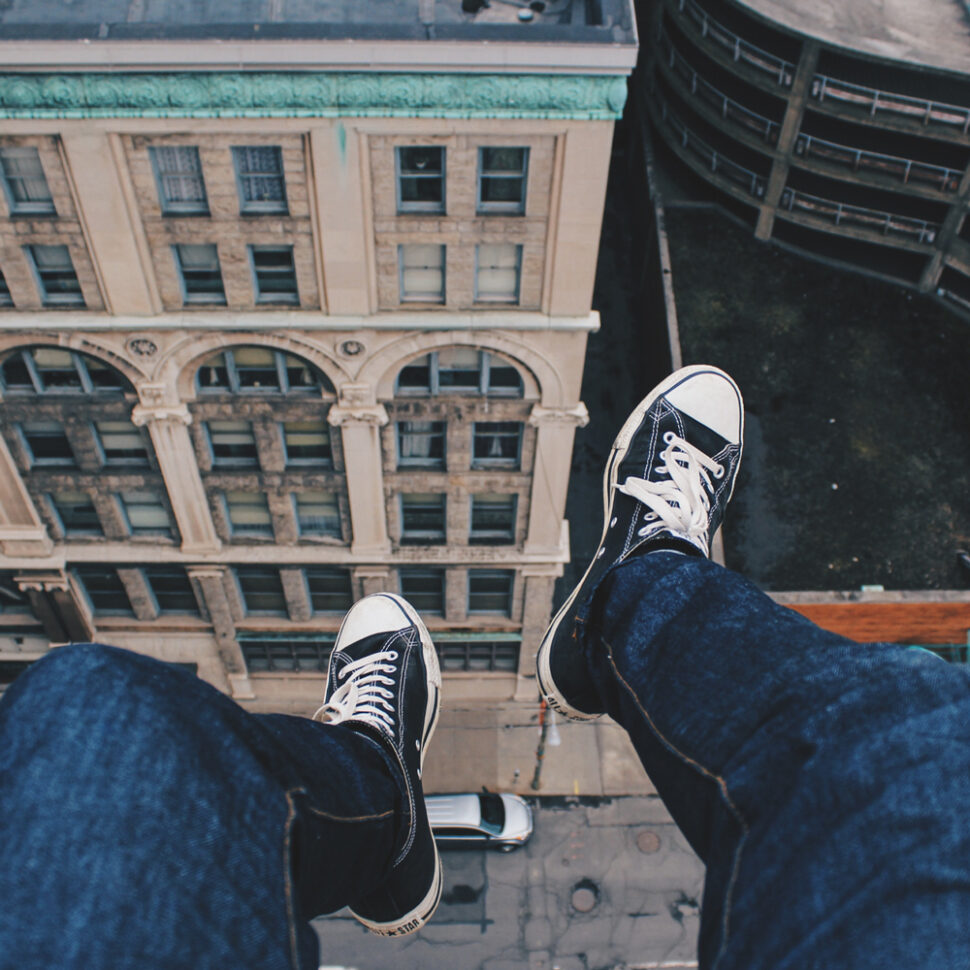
<point>496,748</point>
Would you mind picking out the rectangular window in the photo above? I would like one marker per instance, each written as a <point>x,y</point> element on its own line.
<point>421,443</point>
<point>497,273</point>
<point>423,517</point>
<point>496,444</point>
<point>502,176</point>
<point>329,588</point>
<point>459,370</point>
<point>424,589</point>
<point>493,519</point>
<point>76,513</point>
<point>178,172</point>
<point>307,443</point>
<point>232,443</point>
<point>47,443</point>
<point>495,653</point>
<point>104,589</point>
<point>198,266</point>
<point>422,272</point>
<point>25,183</point>
<point>56,279</point>
<point>294,654</point>
<point>261,589</point>
<point>145,512</point>
<point>248,513</point>
<point>420,178</point>
<point>259,175</point>
<point>273,274</point>
<point>121,443</point>
<point>5,298</point>
<point>490,591</point>
<point>172,589</point>
<point>317,513</point>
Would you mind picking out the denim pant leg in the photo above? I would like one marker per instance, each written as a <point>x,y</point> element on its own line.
<point>150,821</point>
<point>825,783</point>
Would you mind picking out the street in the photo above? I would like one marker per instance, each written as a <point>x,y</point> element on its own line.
<point>604,884</point>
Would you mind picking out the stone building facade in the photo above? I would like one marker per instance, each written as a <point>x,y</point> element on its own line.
<point>272,339</point>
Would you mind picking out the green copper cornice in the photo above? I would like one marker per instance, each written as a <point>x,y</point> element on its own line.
<point>263,94</point>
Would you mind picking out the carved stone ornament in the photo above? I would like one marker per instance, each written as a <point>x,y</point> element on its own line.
<point>255,94</point>
<point>142,347</point>
<point>374,415</point>
<point>142,414</point>
<point>351,348</point>
<point>576,416</point>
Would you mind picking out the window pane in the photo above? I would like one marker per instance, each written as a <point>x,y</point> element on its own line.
<point>56,277</point>
<point>307,442</point>
<point>201,279</point>
<point>259,170</point>
<point>497,443</point>
<point>493,518</point>
<point>422,272</point>
<point>269,653</point>
<point>502,180</point>
<point>497,276</point>
<point>424,589</point>
<point>256,368</point>
<point>330,590</point>
<point>77,513</point>
<point>248,513</point>
<point>423,517</point>
<point>232,443</point>
<point>16,373</point>
<point>490,591</point>
<point>317,513</point>
<point>104,589</point>
<point>415,376</point>
<point>275,274</point>
<point>459,369</point>
<point>172,589</point>
<point>24,180</point>
<point>57,369</point>
<point>47,442</point>
<point>422,443</point>
<point>181,188</point>
<point>121,442</point>
<point>146,512</point>
<point>261,589</point>
<point>421,182</point>
<point>483,655</point>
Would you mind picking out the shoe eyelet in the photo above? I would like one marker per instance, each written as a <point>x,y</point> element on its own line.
<point>719,471</point>
<point>613,522</point>
<point>600,554</point>
<point>392,655</point>
<point>668,437</point>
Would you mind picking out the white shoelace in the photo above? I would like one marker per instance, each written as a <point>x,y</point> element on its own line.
<point>365,695</point>
<point>680,504</point>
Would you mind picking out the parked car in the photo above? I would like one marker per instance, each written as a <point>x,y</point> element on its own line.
<point>488,820</point>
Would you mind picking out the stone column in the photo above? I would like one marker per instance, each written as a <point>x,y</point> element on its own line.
<point>211,581</point>
<point>22,533</point>
<point>360,419</point>
<point>61,608</point>
<point>536,612</point>
<point>372,579</point>
<point>550,476</point>
<point>167,424</point>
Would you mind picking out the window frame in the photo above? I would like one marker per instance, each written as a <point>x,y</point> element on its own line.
<point>415,598</point>
<point>483,208</point>
<point>140,462</point>
<point>409,208</point>
<point>284,386</point>
<point>287,299</point>
<point>484,389</point>
<point>492,536</point>
<point>304,533</point>
<point>291,462</point>
<point>77,573</point>
<point>73,298</point>
<point>146,578</point>
<point>72,532</point>
<point>207,298</point>
<point>230,462</point>
<point>499,462</point>
<point>46,462</point>
<point>423,537</point>
<point>136,531</point>
<point>235,570</point>
<point>448,642</point>
<point>434,300</point>
<point>167,207</point>
<point>344,574</point>
<point>412,461</point>
<point>38,386</point>
<point>235,532</point>
<point>507,575</point>
<point>516,298</point>
<point>17,207</point>
<point>320,643</point>
<point>256,207</point>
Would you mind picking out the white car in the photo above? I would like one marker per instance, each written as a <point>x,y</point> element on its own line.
<point>487,820</point>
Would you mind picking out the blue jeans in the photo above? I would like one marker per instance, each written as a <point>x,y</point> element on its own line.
<point>826,785</point>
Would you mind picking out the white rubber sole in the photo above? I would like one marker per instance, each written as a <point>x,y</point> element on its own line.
<point>620,446</point>
<point>413,920</point>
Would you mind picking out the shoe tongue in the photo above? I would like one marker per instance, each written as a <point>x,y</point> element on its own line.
<point>708,440</point>
<point>375,643</point>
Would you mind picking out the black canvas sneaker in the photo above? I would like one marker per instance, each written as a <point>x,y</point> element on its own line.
<point>384,679</point>
<point>666,484</point>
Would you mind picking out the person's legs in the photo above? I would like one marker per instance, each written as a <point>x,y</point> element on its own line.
<point>149,820</point>
<point>821,781</point>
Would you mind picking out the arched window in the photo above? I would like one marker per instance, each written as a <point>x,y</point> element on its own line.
<point>259,370</point>
<point>460,370</point>
<point>54,370</point>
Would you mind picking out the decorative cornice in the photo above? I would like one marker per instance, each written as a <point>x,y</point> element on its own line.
<point>273,94</point>
<point>577,417</point>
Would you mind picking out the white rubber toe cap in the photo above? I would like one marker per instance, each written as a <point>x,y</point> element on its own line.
<point>377,613</point>
<point>713,399</point>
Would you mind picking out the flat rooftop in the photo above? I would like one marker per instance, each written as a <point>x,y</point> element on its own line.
<point>933,33</point>
<point>507,21</point>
